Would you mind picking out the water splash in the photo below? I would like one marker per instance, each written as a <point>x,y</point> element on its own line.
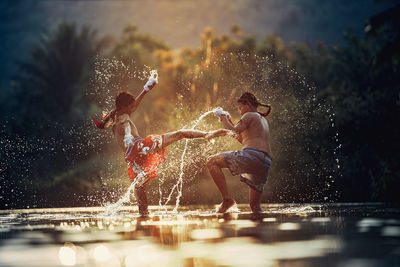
<point>180,180</point>
<point>112,209</point>
<point>179,184</point>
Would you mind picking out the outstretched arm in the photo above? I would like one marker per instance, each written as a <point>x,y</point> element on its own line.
<point>147,87</point>
<point>139,99</point>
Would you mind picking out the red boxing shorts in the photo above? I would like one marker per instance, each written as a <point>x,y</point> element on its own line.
<point>144,156</point>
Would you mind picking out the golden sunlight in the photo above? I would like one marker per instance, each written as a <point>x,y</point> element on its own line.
<point>67,256</point>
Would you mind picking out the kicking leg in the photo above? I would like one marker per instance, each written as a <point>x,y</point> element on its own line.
<point>172,137</point>
<point>215,164</point>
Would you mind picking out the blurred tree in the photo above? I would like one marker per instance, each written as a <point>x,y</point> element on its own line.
<point>53,83</point>
<point>136,48</point>
<point>47,110</point>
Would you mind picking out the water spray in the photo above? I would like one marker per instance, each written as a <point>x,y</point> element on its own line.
<point>179,184</point>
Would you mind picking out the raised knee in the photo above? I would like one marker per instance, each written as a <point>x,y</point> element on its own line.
<point>211,161</point>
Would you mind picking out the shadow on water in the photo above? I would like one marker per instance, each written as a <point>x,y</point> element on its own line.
<point>349,234</point>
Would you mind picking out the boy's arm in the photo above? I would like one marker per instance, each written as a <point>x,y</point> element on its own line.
<point>139,98</point>
<point>147,87</point>
<point>128,138</point>
<point>239,138</point>
<point>227,122</point>
<point>239,127</point>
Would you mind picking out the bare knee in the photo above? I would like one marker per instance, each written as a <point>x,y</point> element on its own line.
<point>211,161</point>
<point>216,161</point>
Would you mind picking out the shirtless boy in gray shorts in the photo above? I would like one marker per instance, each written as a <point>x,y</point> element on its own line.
<point>253,162</point>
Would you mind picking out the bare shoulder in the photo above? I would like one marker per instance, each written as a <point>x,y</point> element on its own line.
<point>246,116</point>
<point>123,118</point>
<point>250,116</point>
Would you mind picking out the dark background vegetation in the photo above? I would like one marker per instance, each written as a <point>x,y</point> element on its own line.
<point>334,91</point>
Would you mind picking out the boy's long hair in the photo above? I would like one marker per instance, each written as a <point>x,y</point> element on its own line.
<point>250,98</point>
<point>122,100</point>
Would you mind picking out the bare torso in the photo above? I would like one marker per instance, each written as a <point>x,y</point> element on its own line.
<point>119,130</point>
<point>256,134</point>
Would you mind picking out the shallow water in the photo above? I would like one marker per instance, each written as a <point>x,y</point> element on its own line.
<point>349,234</point>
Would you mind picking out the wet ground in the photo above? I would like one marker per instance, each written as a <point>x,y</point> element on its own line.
<point>285,235</point>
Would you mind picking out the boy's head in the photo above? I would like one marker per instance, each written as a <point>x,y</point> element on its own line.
<point>248,98</point>
<point>124,102</point>
<point>247,103</point>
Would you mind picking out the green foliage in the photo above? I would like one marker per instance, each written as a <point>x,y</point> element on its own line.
<point>135,48</point>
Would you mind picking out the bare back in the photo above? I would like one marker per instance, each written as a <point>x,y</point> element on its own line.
<point>120,130</point>
<point>256,132</point>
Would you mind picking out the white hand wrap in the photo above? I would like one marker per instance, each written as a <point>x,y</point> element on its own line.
<point>220,112</point>
<point>150,84</point>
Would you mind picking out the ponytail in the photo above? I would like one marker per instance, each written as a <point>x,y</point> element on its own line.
<point>265,114</point>
<point>250,98</point>
<point>107,120</point>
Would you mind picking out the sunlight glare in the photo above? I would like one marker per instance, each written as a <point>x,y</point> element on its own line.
<point>101,253</point>
<point>67,256</point>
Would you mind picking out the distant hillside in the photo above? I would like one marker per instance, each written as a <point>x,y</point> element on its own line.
<point>180,23</point>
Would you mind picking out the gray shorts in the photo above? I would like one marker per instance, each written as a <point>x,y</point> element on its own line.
<point>252,164</point>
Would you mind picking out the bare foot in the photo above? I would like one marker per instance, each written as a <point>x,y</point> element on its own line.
<point>226,205</point>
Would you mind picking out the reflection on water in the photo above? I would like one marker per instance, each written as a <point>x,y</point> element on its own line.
<point>285,235</point>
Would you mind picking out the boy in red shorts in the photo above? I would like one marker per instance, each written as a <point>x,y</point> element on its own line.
<point>143,155</point>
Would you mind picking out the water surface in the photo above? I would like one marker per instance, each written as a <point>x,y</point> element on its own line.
<point>347,234</point>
